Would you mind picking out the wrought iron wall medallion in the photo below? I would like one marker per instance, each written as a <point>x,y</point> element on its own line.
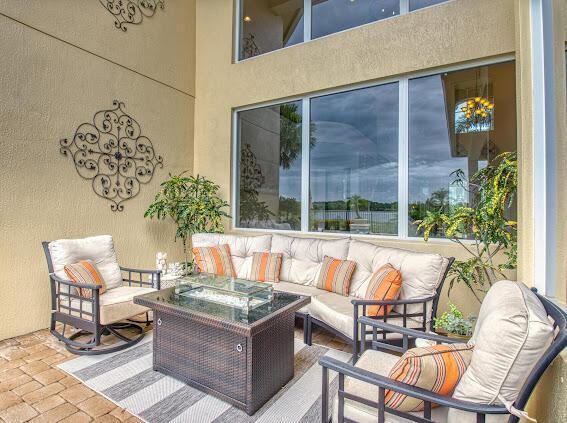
<point>113,154</point>
<point>131,12</point>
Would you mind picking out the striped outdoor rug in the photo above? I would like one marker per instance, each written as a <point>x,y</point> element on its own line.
<point>127,379</point>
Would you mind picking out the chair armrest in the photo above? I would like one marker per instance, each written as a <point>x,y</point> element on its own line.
<point>67,282</point>
<point>156,276</point>
<point>379,324</point>
<point>410,390</point>
<point>392,302</point>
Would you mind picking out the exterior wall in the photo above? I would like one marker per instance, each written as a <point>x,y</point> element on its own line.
<point>374,52</point>
<point>63,60</point>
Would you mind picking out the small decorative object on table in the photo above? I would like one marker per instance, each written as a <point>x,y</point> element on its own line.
<point>454,325</point>
<point>161,261</point>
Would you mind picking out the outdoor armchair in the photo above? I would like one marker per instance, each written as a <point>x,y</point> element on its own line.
<point>362,386</point>
<point>88,313</point>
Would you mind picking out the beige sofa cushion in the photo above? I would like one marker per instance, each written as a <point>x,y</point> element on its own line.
<point>242,248</point>
<point>511,334</point>
<point>302,257</point>
<point>421,272</point>
<point>338,312</point>
<point>115,304</point>
<point>98,249</point>
<point>305,290</point>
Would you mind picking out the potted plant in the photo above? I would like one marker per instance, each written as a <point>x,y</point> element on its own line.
<point>453,324</point>
<point>485,222</point>
<point>192,202</point>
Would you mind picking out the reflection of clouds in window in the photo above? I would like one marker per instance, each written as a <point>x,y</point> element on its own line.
<point>329,16</point>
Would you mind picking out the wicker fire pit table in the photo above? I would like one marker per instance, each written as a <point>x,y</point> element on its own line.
<point>228,337</point>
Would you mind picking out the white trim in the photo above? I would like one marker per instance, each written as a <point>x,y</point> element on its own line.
<point>404,7</point>
<point>403,148</point>
<point>403,166</point>
<point>236,32</point>
<point>234,171</point>
<point>306,21</point>
<point>305,163</point>
<point>543,139</point>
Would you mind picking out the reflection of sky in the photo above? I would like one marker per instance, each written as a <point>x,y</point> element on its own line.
<point>297,34</point>
<point>418,4</point>
<point>356,145</point>
<point>329,16</point>
<point>430,160</point>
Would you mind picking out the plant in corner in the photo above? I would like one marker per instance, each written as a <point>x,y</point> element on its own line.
<point>454,324</point>
<point>486,222</point>
<point>192,202</point>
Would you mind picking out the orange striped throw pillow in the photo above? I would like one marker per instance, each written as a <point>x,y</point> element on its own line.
<point>85,273</point>
<point>438,368</point>
<point>266,267</point>
<point>216,260</point>
<point>335,275</point>
<point>385,284</point>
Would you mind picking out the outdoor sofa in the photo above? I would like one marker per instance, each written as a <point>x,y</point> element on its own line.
<point>422,274</point>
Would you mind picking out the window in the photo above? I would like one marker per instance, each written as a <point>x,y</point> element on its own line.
<point>349,162</point>
<point>330,16</point>
<point>268,25</point>
<point>354,161</point>
<point>269,170</point>
<point>444,138</point>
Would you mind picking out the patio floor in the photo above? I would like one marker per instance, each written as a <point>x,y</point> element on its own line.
<point>32,388</point>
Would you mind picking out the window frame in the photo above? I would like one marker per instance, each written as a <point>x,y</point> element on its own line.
<point>403,150</point>
<point>404,10</point>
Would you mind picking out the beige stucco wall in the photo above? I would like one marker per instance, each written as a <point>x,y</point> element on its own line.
<point>62,61</point>
<point>388,48</point>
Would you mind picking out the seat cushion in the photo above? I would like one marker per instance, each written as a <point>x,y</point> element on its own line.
<point>216,260</point>
<point>242,248</point>
<point>306,290</point>
<point>337,311</point>
<point>421,272</point>
<point>335,275</point>
<point>302,257</point>
<point>511,335</point>
<point>99,249</point>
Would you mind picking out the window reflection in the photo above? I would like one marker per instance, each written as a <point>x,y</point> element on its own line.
<point>270,167</point>
<point>268,25</point>
<point>445,138</point>
<point>330,16</point>
<point>354,161</point>
<point>420,4</point>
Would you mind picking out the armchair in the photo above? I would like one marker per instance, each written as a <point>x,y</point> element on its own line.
<point>96,315</point>
<point>354,401</point>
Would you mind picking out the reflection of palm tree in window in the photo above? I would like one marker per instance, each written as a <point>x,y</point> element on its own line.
<point>290,134</point>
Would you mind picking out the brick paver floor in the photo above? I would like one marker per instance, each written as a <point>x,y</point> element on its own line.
<point>33,389</point>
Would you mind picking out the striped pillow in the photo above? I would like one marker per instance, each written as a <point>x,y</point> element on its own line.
<point>85,272</point>
<point>216,260</point>
<point>385,284</point>
<point>437,368</point>
<point>266,267</point>
<point>335,275</point>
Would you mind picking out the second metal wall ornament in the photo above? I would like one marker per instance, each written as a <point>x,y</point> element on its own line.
<point>113,154</point>
<point>131,12</point>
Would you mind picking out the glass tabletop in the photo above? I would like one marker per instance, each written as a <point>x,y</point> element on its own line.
<point>278,301</point>
<point>239,287</point>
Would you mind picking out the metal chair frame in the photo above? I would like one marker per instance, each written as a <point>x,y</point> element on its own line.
<point>384,383</point>
<point>88,322</point>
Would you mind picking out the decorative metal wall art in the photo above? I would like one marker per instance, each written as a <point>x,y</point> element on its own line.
<point>113,154</point>
<point>132,12</point>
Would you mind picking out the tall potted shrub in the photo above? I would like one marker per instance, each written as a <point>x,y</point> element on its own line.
<point>486,223</point>
<point>192,202</point>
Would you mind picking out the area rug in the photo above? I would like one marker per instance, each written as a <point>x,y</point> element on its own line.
<point>127,379</point>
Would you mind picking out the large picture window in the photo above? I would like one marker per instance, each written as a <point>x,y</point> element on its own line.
<point>373,160</point>
<point>268,25</point>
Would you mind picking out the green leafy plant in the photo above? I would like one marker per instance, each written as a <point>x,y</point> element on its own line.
<point>192,202</point>
<point>486,222</point>
<point>454,322</point>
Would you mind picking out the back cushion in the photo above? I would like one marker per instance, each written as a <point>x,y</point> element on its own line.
<point>242,248</point>
<point>302,257</point>
<point>511,334</point>
<point>421,272</point>
<point>98,249</point>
